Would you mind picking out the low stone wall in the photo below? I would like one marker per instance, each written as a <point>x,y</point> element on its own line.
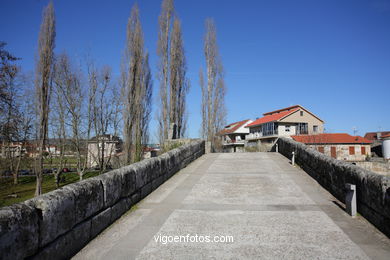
<point>58,224</point>
<point>373,190</point>
<point>377,167</point>
<point>258,146</point>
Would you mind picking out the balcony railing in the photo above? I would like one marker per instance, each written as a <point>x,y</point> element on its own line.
<point>230,142</point>
<point>258,135</point>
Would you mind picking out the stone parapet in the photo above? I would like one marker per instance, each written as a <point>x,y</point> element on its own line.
<point>56,225</point>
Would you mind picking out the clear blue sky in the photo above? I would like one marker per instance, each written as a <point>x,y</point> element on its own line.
<point>331,56</point>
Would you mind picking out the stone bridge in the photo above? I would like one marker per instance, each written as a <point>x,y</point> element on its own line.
<point>269,208</point>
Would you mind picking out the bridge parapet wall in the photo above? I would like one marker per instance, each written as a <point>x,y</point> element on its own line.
<point>373,190</point>
<point>58,224</point>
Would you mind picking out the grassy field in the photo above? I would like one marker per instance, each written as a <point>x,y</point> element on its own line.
<point>26,187</point>
<point>28,163</point>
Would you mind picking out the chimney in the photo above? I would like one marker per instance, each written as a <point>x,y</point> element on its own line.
<point>378,135</point>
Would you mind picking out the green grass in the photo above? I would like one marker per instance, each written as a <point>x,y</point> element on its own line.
<point>26,187</point>
<point>66,160</point>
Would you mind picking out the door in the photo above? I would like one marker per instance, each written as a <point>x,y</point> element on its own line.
<point>333,151</point>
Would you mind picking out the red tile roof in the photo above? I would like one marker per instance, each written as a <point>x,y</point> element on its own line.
<point>276,115</point>
<point>231,128</point>
<point>283,109</point>
<point>373,135</point>
<point>385,136</point>
<point>339,138</point>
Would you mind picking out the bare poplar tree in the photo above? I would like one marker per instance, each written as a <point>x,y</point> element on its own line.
<point>44,69</point>
<point>146,103</point>
<point>136,87</point>
<point>92,96</point>
<point>165,24</point>
<point>214,91</point>
<point>179,84</point>
<point>204,103</point>
<point>58,113</point>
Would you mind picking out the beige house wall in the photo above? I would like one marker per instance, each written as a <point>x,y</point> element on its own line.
<point>305,118</point>
<point>93,152</point>
<point>342,151</point>
<point>282,129</point>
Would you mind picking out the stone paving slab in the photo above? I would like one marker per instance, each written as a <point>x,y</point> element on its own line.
<point>271,188</point>
<point>271,209</point>
<point>262,234</point>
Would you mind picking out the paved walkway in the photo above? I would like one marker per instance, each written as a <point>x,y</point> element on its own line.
<point>270,208</point>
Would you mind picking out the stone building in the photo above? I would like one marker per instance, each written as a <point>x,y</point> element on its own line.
<point>340,146</point>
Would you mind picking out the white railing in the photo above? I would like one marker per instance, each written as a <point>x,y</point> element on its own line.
<point>228,142</point>
<point>253,136</point>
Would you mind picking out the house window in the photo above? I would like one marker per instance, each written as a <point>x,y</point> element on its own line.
<point>287,128</point>
<point>315,128</point>
<point>363,150</point>
<point>351,150</point>
<point>302,129</point>
<point>301,113</point>
<point>269,129</point>
<point>321,149</point>
<point>333,151</point>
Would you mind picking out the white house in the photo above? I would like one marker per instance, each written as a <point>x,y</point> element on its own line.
<point>233,136</point>
<point>103,146</point>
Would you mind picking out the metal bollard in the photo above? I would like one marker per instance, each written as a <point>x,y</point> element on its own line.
<point>276,149</point>
<point>293,159</point>
<point>350,199</point>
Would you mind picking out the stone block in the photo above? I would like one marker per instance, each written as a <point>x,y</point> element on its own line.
<point>19,231</point>
<point>182,152</point>
<point>112,187</point>
<point>174,161</point>
<point>146,190</point>
<point>135,198</point>
<point>56,210</point>
<point>142,177</point>
<point>164,163</point>
<point>68,244</point>
<point>120,208</point>
<point>128,180</point>
<point>100,222</point>
<point>157,182</point>
<point>154,168</point>
<point>89,198</point>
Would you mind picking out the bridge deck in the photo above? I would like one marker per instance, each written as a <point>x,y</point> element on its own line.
<point>272,210</point>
